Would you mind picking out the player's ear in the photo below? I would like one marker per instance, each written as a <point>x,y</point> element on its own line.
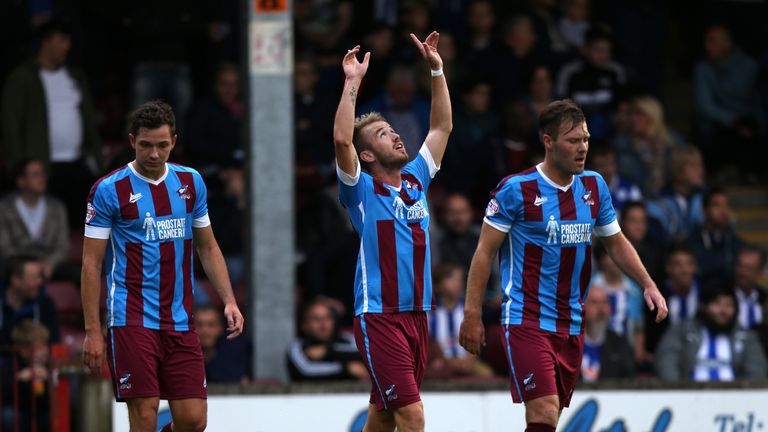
<point>173,140</point>
<point>132,140</point>
<point>367,156</point>
<point>547,140</point>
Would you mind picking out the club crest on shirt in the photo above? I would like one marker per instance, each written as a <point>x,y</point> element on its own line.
<point>587,197</point>
<point>493,207</point>
<point>90,212</point>
<point>411,186</point>
<point>184,192</point>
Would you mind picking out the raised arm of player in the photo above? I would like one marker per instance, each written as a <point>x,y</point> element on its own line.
<point>441,115</point>
<point>472,333</point>
<point>344,124</point>
<point>90,290</point>
<point>216,269</point>
<point>624,255</point>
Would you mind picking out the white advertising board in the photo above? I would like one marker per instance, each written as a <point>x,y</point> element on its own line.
<point>595,411</point>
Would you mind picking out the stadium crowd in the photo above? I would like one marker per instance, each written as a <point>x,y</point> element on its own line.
<point>69,77</point>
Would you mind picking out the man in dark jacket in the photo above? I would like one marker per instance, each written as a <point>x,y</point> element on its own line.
<point>46,113</point>
<point>712,346</point>
<point>607,355</point>
<point>322,353</point>
<point>715,242</point>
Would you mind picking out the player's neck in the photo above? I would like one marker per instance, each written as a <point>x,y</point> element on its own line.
<point>152,175</point>
<point>388,176</point>
<point>558,176</point>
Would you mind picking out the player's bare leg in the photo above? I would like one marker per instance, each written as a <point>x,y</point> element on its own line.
<point>543,411</point>
<point>410,418</point>
<point>189,415</point>
<point>142,414</point>
<point>379,421</point>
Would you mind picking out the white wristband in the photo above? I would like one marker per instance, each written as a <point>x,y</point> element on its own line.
<point>437,73</point>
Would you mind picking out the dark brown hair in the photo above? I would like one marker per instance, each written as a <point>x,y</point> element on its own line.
<point>557,115</point>
<point>152,115</point>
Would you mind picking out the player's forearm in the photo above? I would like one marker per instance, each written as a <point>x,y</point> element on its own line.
<point>626,258</point>
<point>479,272</point>
<point>441,114</point>
<point>215,268</point>
<point>90,288</point>
<point>344,126</point>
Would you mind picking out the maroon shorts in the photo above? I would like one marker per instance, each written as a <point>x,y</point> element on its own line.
<point>155,363</point>
<point>394,349</point>
<point>542,363</point>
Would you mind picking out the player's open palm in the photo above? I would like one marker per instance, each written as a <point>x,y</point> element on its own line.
<point>352,67</point>
<point>428,49</point>
<point>472,335</point>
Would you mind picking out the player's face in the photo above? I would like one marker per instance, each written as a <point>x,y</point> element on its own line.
<point>153,148</point>
<point>569,150</point>
<point>385,145</point>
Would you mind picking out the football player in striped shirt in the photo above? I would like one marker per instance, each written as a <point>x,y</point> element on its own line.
<point>541,222</point>
<point>387,205</point>
<point>147,218</point>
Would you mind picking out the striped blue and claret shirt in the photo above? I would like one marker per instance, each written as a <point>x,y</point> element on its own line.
<point>149,257</point>
<point>393,265</point>
<point>546,258</point>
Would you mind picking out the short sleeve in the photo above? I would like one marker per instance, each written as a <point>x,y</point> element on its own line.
<point>200,218</point>
<point>606,224</point>
<point>423,167</point>
<point>350,187</point>
<point>99,213</point>
<point>500,213</point>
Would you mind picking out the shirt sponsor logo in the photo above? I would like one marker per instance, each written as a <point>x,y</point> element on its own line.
<point>415,212</point>
<point>90,212</point>
<point>568,233</point>
<point>166,229</point>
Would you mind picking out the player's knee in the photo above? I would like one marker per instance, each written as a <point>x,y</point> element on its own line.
<point>193,422</point>
<point>410,418</point>
<point>544,410</point>
<point>144,418</point>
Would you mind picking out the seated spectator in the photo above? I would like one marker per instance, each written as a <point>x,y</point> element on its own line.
<point>24,298</point>
<point>712,346</point>
<point>447,358</point>
<point>603,160</point>
<point>681,290</point>
<point>226,361</point>
<point>214,134</point>
<point>715,242</point>
<point>727,98</point>
<point>31,343</point>
<point>634,225</point>
<point>406,111</point>
<point>643,150</point>
<point>594,81</point>
<point>678,210</point>
<point>607,355</point>
<point>323,353</point>
<point>750,264</point>
<point>626,300</point>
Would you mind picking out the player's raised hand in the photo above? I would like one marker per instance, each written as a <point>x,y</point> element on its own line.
<point>472,335</point>
<point>93,350</point>
<point>428,49</point>
<point>235,320</point>
<point>655,301</point>
<point>352,67</point>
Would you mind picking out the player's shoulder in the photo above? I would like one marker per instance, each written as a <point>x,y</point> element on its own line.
<point>512,181</point>
<point>178,168</point>
<point>108,180</point>
<point>588,174</point>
